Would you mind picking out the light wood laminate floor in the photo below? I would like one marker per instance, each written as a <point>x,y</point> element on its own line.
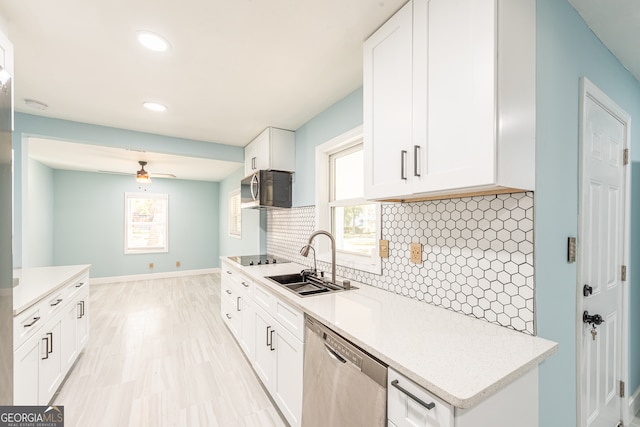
<point>160,355</point>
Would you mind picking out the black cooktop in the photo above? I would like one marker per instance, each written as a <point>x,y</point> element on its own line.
<point>258,259</point>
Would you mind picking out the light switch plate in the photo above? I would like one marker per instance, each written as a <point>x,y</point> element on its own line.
<point>416,253</point>
<point>384,248</point>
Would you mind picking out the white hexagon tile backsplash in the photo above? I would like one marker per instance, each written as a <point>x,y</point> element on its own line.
<point>477,254</point>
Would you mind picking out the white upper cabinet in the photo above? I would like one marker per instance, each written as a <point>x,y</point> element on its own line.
<point>449,100</point>
<point>273,149</point>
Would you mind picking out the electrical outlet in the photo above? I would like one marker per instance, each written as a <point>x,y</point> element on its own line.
<point>177,263</point>
<point>384,249</point>
<point>416,253</point>
<point>150,265</point>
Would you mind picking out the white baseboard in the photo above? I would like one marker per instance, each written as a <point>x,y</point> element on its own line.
<point>149,276</point>
<point>634,403</point>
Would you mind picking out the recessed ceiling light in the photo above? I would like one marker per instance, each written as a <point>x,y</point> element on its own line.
<point>35,104</point>
<point>154,106</point>
<point>152,41</point>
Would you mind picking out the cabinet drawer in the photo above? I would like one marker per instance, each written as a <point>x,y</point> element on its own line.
<point>55,302</point>
<point>421,409</point>
<point>289,317</point>
<point>72,290</point>
<point>263,298</point>
<point>27,323</point>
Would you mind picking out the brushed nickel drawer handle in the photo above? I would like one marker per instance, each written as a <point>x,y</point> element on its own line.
<point>228,291</point>
<point>58,301</point>
<point>79,285</point>
<point>228,316</point>
<point>35,320</point>
<point>413,397</point>
<point>403,164</point>
<point>245,285</point>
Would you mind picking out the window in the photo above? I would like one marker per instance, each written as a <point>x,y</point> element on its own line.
<point>235,214</point>
<point>146,223</point>
<point>341,207</point>
<point>353,221</point>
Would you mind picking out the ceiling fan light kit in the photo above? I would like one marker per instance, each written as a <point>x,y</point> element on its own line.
<point>142,176</point>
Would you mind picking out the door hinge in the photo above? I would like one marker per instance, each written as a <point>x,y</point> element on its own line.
<point>623,273</point>
<point>625,156</point>
<point>621,388</point>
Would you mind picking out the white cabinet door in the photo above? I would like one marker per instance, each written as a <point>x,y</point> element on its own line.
<point>287,378</point>
<point>250,158</point>
<point>69,338</point>
<point>461,109</point>
<point>50,368</point>
<point>26,372</point>
<point>263,362</point>
<point>247,334</point>
<point>388,107</point>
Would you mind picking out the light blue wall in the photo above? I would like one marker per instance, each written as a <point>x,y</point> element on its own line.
<point>342,116</point>
<point>566,50</point>
<point>27,125</point>
<point>39,235</point>
<point>89,224</point>
<point>250,243</point>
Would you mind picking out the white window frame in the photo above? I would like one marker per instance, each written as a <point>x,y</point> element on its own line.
<point>127,223</point>
<point>371,263</point>
<point>233,211</point>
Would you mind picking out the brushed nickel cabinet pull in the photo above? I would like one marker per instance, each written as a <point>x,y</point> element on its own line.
<point>228,316</point>
<point>403,164</point>
<point>271,344</point>
<point>413,397</point>
<point>46,349</point>
<point>237,303</point>
<point>228,291</point>
<point>33,322</point>
<point>268,343</point>
<point>50,342</point>
<point>416,160</point>
<point>58,301</point>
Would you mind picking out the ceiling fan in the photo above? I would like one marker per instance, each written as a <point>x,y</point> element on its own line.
<point>142,176</point>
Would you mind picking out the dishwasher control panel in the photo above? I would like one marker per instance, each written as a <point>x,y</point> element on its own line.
<point>344,351</point>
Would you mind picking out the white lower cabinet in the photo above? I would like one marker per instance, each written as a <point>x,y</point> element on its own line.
<point>50,368</point>
<point>411,405</point>
<point>58,330</point>
<point>278,362</point>
<point>26,363</point>
<point>270,333</point>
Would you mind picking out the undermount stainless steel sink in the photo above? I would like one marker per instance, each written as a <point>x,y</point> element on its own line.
<point>305,285</point>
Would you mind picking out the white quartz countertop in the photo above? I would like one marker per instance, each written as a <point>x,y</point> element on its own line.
<point>461,359</point>
<point>35,284</point>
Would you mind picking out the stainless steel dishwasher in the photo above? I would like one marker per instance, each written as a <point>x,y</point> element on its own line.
<point>343,385</point>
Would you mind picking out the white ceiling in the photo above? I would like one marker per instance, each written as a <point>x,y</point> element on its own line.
<point>235,67</point>
<point>617,25</point>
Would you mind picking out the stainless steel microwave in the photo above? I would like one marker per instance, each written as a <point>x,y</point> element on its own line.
<point>266,189</point>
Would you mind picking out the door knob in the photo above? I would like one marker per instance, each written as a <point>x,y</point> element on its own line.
<point>594,319</point>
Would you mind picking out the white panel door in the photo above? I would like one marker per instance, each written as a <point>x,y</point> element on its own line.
<point>601,249</point>
<point>388,70</point>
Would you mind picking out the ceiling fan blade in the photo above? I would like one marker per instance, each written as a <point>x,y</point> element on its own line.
<point>116,173</point>
<point>162,175</point>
